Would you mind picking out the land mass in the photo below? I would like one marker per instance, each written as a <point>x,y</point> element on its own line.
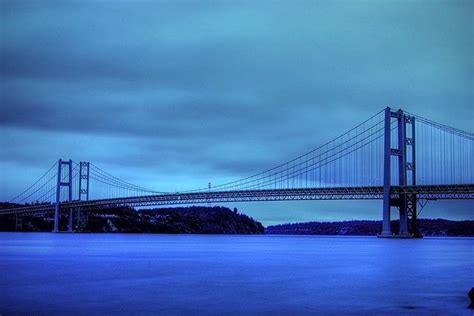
<point>427,227</point>
<point>216,220</point>
<point>187,220</point>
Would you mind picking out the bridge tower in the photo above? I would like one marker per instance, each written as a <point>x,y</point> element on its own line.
<point>410,200</point>
<point>83,193</point>
<point>63,181</point>
<point>405,156</point>
<point>84,180</point>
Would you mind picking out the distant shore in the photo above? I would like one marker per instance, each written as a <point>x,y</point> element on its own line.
<point>427,227</point>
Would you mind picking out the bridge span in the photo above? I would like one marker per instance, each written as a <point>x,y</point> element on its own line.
<point>397,157</point>
<point>426,192</point>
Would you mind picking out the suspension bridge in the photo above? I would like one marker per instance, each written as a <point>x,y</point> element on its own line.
<point>394,156</point>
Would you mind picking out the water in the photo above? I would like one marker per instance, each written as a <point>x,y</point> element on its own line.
<point>219,274</point>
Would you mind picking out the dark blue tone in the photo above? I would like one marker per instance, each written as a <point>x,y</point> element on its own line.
<point>202,274</point>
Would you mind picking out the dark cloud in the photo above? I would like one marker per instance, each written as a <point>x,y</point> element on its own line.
<point>180,93</point>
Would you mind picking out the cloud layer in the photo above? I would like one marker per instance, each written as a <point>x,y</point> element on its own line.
<point>175,94</point>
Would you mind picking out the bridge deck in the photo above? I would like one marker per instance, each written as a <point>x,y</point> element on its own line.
<point>465,191</point>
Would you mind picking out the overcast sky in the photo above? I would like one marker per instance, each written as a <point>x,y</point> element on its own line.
<point>174,94</point>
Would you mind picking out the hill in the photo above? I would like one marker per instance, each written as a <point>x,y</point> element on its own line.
<point>189,220</point>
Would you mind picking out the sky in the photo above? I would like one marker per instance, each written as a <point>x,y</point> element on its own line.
<point>175,94</point>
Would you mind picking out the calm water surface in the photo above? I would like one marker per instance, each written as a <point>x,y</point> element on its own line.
<point>216,274</point>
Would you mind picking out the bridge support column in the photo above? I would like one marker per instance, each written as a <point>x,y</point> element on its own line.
<point>69,223</point>
<point>78,218</point>
<point>57,207</point>
<point>411,199</point>
<point>403,218</point>
<point>412,216</point>
<point>18,222</point>
<point>81,219</point>
<point>402,173</point>
<point>386,229</point>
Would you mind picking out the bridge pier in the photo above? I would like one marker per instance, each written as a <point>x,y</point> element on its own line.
<point>69,222</point>
<point>57,210</point>
<point>403,222</point>
<point>411,201</point>
<point>403,226</point>
<point>18,222</point>
<point>78,218</point>
<point>386,227</point>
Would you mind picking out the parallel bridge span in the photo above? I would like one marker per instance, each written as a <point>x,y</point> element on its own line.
<point>428,192</point>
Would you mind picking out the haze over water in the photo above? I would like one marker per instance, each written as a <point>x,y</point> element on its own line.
<point>217,274</point>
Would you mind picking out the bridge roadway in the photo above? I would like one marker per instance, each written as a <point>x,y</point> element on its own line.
<point>432,192</point>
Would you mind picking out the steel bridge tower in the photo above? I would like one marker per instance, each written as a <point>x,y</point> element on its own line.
<point>67,182</point>
<point>84,180</point>
<point>405,154</point>
<point>83,193</point>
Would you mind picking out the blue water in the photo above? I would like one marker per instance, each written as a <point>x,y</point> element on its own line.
<point>217,274</point>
